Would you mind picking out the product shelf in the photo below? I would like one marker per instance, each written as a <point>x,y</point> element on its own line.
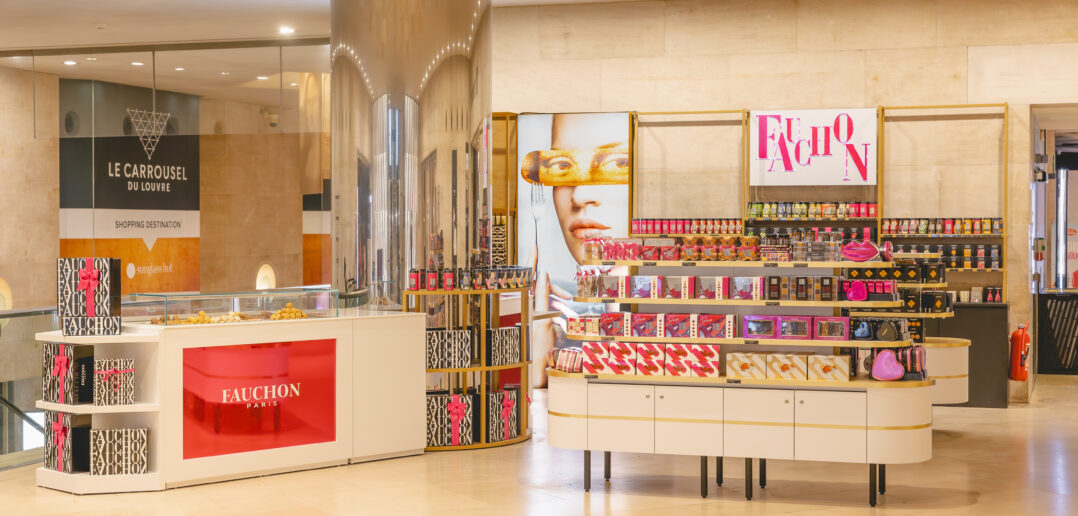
<point>974,270</point>
<point>811,219</point>
<point>915,256</point>
<point>942,235</point>
<point>98,409</point>
<point>480,369</point>
<point>856,383</point>
<point>463,292</point>
<point>682,235</point>
<point>910,284</point>
<point>85,483</point>
<point>742,264</point>
<point>738,302</point>
<point>905,315</point>
<point>744,341</point>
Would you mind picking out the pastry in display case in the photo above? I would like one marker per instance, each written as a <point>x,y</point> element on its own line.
<point>231,307</point>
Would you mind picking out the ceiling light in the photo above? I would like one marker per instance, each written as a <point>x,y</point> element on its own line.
<point>70,63</point>
<point>91,59</point>
<point>286,30</point>
<point>179,68</point>
<point>137,63</point>
<point>292,84</point>
<point>224,73</point>
<point>261,77</point>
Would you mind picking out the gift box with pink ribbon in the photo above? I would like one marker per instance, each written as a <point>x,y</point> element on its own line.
<point>67,373</point>
<point>88,295</point>
<point>451,419</point>
<point>503,415</point>
<point>67,442</point>
<point>114,381</point>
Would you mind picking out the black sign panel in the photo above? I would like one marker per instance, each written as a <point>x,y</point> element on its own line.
<point>125,179</point>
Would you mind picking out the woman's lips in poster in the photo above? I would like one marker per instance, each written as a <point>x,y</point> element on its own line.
<point>587,228</point>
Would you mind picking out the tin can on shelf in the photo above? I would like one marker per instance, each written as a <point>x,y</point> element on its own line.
<point>432,279</point>
<point>449,279</point>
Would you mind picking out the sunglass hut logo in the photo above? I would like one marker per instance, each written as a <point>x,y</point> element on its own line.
<point>260,396</point>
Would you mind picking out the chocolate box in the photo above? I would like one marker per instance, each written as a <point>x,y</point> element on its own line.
<point>445,430</point>
<point>835,368</point>
<point>67,373</point>
<point>648,367</point>
<point>787,366</point>
<point>643,287</point>
<point>83,326</point>
<point>911,273</point>
<point>759,327</point>
<point>716,326</point>
<point>704,353</point>
<point>613,286</point>
<point>774,288</point>
<point>503,415</point>
<point>620,367</point>
<point>678,352</point>
<point>594,365</point>
<point>675,367</point>
<point>67,441</point>
<point>119,451</point>
<point>746,288</point>
<point>795,327</point>
<point>746,365</point>
<point>88,287</point>
<point>680,325</point>
<point>831,328</point>
<point>651,351</point>
<point>826,286</point>
<point>591,326</point>
<point>114,380</point>
<point>593,349</point>
<point>935,301</point>
<point>676,287</point>
<point>616,324</point>
<point>705,369</point>
<point>647,325</point>
<point>705,287</point>
<point>623,351</point>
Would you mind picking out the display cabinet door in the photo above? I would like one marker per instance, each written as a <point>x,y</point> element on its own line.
<point>758,423</point>
<point>567,406</point>
<point>830,426</point>
<point>621,418</point>
<point>688,420</point>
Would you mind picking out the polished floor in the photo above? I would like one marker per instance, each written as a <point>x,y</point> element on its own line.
<point>1022,460</point>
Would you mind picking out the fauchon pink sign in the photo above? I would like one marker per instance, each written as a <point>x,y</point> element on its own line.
<point>813,147</point>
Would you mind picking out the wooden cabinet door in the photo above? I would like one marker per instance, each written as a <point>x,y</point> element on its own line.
<point>758,423</point>
<point>830,426</point>
<point>688,420</point>
<point>621,418</point>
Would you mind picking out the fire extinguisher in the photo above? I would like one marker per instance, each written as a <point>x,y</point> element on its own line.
<point>1020,353</point>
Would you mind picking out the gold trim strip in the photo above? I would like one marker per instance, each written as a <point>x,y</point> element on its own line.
<point>757,423</point>
<point>562,414</point>
<point>909,427</point>
<point>834,427</point>
<point>949,377</point>
<point>622,418</point>
<point>946,342</point>
<point>688,420</point>
<point>747,423</point>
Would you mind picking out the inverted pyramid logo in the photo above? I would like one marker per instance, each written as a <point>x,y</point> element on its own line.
<point>149,126</point>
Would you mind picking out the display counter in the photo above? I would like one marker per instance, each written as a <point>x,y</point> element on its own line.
<point>258,396</point>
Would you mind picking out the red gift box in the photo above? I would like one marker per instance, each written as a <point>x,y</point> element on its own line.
<point>649,351</point>
<point>596,350</point>
<point>624,351</point>
<point>671,253</point>
<point>614,324</point>
<point>679,325</point>
<point>704,352</point>
<point>676,287</point>
<point>716,326</point>
<point>647,325</point>
<point>674,367</point>
<point>705,369</point>
<point>645,367</point>
<point>594,365</point>
<point>620,367</point>
<point>678,352</point>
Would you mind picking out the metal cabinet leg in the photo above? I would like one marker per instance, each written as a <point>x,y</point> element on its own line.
<point>718,471</point>
<point>587,470</point>
<point>748,478</point>
<point>703,477</point>
<point>872,485</point>
<point>606,466</point>
<point>763,473</point>
<point>883,478</point>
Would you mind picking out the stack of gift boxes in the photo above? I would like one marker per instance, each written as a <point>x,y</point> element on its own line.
<point>769,288</point>
<point>88,303</point>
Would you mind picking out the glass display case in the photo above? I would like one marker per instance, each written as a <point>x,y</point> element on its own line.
<point>230,307</point>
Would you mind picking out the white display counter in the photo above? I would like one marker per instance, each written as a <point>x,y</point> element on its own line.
<point>228,401</point>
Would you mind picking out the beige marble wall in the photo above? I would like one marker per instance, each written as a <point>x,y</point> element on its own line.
<point>757,54</point>
<point>29,187</point>
<point>250,198</point>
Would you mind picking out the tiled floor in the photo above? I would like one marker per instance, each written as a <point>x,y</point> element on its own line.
<point>1022,460</point>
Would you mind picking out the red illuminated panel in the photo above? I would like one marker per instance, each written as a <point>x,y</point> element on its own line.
<point>251,397</point>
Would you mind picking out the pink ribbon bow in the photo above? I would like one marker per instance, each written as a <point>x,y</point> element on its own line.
<point>457,409</point>
<point>59,435</point>
<point>60,364</point>
<point>108,376</point>
<point>88,277</point>
<point>507,413</point>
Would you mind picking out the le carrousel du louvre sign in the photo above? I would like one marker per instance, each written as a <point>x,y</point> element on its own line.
<point>813,147</point>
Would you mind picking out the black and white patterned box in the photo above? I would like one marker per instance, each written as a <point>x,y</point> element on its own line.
<point>503,415</point>
<point>119,451</point>
<point>67,373</point>
<point>82,326</point>
<point>503,346</point>
<point>67,442</point>
<point>449,349</point>
<point>88,287</point>
<point>449,416</point>
<point>114,381</point>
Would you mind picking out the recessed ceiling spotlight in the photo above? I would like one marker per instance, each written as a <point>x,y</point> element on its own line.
<point>261,77</point>
<point>179,68</point>
<point>137,63</point>
<point>70,63</point>
<point>224,73</point>
<point>286,30</point>
<point>91,59</point>
<point>292,84</point>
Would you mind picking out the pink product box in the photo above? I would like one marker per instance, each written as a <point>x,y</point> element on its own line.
<point>704,353</point>
<point>716,326</point>
<point>706,287</point>
<point>647,325</point>
<point>675,367</point>
<point>615,324</point>
<point>649,351</point>
<point>596,350</point>
<point>676,287</point>
<point>705,369</point>
<point>574,326</point>
<point>679,325</point>
<point>591,325</point>
<point>613,286</point>
<point>646,367</point>
<point>678,352</point>
<point>594,365</point>
<point>624,351</point>
<point>621,367</point>
<point>759,327</point>
<point>643,286</point>
<point>795,327</point>
<point>746,287</point>
<point>570,360</point>
<point>831,328</point>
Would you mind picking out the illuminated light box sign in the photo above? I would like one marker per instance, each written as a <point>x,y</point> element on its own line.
<point>813,147</point>
<point>251,397</point>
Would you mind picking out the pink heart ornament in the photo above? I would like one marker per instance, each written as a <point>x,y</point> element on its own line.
<point>886,367</point>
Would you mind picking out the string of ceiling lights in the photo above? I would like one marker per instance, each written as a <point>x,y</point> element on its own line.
<point>346,50</point>
<point>463,48</point>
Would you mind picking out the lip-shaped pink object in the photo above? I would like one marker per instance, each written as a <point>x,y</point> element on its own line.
<point>860,251</point>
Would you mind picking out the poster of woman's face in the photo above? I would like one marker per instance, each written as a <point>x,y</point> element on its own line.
<point>573,186</point>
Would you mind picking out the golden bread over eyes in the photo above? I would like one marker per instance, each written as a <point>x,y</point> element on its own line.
<point>605,165</point>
